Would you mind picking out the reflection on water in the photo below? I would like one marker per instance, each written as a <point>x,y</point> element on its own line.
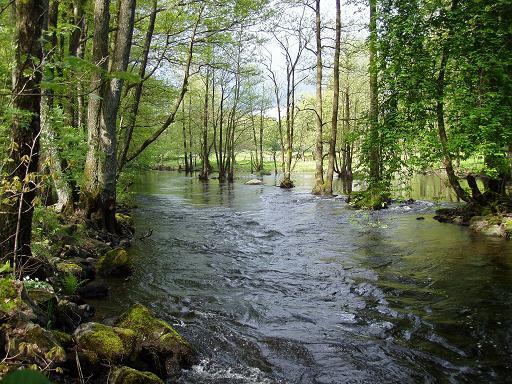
<point>279,286</point>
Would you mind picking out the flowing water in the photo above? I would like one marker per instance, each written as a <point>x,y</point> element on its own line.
<point>279,286</point>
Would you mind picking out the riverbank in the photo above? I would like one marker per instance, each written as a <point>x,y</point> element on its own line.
<point>47,324</point>
<point>490,221</point>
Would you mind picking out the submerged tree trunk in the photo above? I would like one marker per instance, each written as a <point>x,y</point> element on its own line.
<point>205,168</point>
<point>335,103</point>
<point>184,134</point>
<point>17,207</point>
<point>374,150</point>
<point>319,166</point>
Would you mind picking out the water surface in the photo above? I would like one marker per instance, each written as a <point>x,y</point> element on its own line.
<point>277,286</point>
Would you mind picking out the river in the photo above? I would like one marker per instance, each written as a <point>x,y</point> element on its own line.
<point>279,286</point>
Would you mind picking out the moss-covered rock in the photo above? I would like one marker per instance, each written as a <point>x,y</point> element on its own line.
<point>507,227</point>
<point>99,342</point>
<point>69,267</point>
<point>32,344</point>
<point>64,339</point>
<point>127,375</point>
<point>124,220</point>
<point>370,199</point>
<point>42,296</point>
<point>10,297</point>
<point>116,262</point>
<point>486,225</point>
<point>165,351</point>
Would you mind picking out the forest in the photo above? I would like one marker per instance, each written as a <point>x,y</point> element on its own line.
<point>101,100</point>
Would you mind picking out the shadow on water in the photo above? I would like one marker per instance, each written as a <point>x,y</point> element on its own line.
<point>279,286</point>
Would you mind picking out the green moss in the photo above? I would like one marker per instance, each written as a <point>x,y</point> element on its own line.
<point>68,267</point>
<point>115,262</point>
<point>107,342</point>
<point>141,320</point>
<point>125,220</point>
<point>126,375</point>
<point>10,300</point>
<point>62,337</point>
<point>370,199</point>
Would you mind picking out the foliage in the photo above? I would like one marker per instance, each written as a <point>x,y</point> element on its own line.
<point>69,283</point>
<point>25,376</point>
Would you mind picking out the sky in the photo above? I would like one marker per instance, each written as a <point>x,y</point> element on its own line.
<point>354,19</point>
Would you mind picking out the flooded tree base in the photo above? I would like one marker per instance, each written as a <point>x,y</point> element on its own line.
<point>286,184</point>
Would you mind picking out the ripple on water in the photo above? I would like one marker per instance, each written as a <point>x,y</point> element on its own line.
<point>277,286</point>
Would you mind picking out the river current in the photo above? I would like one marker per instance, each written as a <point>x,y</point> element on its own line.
<point>279,286</point>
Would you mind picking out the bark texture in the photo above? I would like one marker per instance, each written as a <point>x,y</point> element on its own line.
<point>16,210</point>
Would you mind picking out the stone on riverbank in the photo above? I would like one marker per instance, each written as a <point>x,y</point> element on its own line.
<point>162,348</point>
<point>99,342</point>
<point>93,290</point>
<point>30,343</point>
<point>127,375</point>
<point>478,219</point>
<point>115,263</point>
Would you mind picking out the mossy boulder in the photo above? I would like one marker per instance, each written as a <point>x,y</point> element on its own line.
<point>10,297</point>
<point>124,220</point>
<point>32,344</point>
<point>116,262</point>
<point>42,296</point>
<point>370,200</point>
<point>127,375</point>
<point>506,226</point>
<point>69,267</point>
<point>98,342</point>
<point>487,225</point>
<point>161,347</point>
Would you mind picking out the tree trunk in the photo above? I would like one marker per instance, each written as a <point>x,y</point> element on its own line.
<point>447,159</point>
<point>205,169</point>
<point>49,151</point>
<point>262,121</point>
<point>132,115</point>
<point>319,167</point>
<point>184,134</point>
<point>222,169</point>
<point>16,207</point>
<point>100,172</point>
<point>374,155</point>
<point>335,103</point>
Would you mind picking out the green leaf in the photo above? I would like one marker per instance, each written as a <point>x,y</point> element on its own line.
<point>25,376</point>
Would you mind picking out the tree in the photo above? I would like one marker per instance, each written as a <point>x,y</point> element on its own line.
<point>335,104</point>
<point>99,191</point>
<point>19,173</point>
<point>319,156</point>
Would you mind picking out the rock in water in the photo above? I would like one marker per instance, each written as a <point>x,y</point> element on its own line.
<point>162,348</point>
<point>254,182</point>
